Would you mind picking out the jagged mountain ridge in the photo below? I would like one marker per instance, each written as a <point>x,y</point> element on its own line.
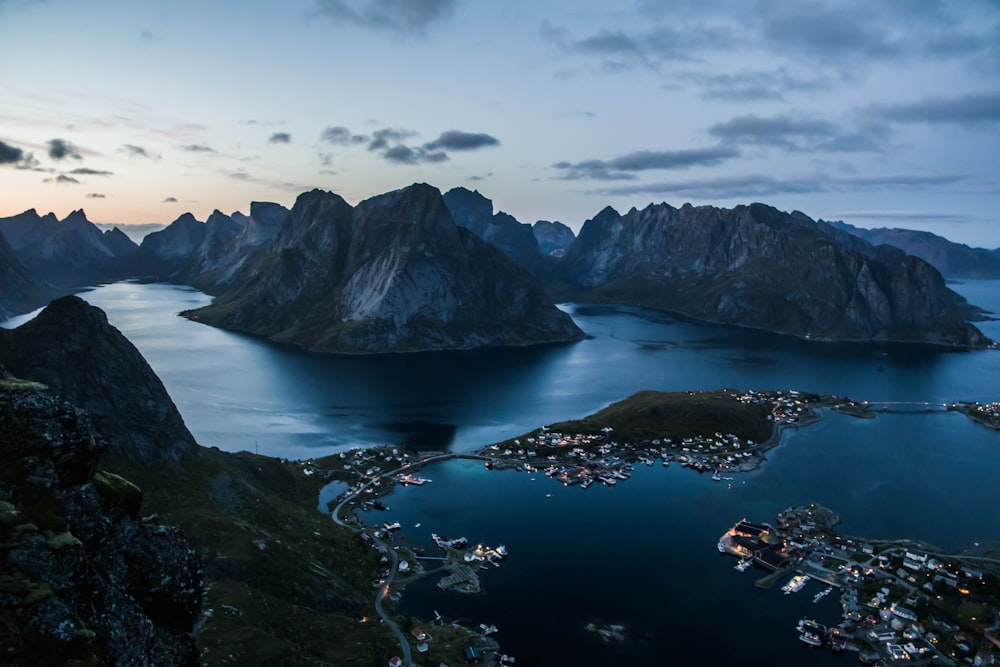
<point>71,347</point>
<point>953,260</point>
<point>756,266</point>
<point>553,238</point>
<point>85,580</point>
<point>393,274</point>
<point>68,253</point>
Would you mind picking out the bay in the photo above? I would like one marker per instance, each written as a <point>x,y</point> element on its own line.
<point>642,553</point>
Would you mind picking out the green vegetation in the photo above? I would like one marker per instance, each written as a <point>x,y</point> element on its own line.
<point>648,415</point>
<point>285,584</point>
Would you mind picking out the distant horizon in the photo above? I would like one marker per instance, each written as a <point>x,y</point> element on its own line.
<point>879,114</point>
<point>155,226</point>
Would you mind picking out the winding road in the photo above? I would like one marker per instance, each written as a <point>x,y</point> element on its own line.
<point>383,591</point>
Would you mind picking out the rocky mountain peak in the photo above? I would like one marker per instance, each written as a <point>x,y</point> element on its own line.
<point>71,347</point>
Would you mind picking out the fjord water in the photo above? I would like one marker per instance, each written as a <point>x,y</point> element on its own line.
<point>237,392</point>
<point>642,553</point>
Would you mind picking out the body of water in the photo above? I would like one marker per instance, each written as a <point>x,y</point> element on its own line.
<point>642,553</point>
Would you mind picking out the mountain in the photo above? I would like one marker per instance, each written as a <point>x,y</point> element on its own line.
<point>83,579</point>
<point>207,254</point>
<point>475,212</point>
<point>954,260</point>
<point>553,237</point>
<point>393,274</point>
<point>19,291</point>
<point>758,267</point>
<point>67,253</point>
<point>71,348</point>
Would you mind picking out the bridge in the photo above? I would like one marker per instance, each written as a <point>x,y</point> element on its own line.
<point>901,406</point>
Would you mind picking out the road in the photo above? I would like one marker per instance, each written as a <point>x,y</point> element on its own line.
<point>383,591</point>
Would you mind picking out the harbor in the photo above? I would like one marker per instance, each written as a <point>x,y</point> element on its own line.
<point>899,601</point>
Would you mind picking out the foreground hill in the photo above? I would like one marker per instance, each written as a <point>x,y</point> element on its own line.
<point>71,347</point>
<point>394,274</point>
<point>83,579</point>
<point>954,260</point>
<point>758,267</point>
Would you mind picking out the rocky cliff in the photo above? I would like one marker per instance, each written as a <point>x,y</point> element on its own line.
<point>475,212</point>
<point>758,267</point>
<point>71,347</point>
<point>393,274</point>
<point>83,579</point>
<point>954,260</point>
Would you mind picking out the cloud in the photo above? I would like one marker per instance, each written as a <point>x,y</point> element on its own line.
<point>399,16</point>
<point>625,166</point>
<point>240,175</point>
<point>963,109</point>
<point>94,195</point>
<point>382,138</point>
<point>138,151</point>
<point>62,179</point>
<point>797,133</point>
<point>616,49</point>
<point>456,140</point>
<point>170,200</point>
<point>914,216</point>
<point>86,171</point>
<point>10,154</point>
<point>752,86</point>
<point>60,149</point>
<point>280,138</point>
<point>198,148</point>
<point>401,154</point>
<point>341,136</point>
<point>757,186</point>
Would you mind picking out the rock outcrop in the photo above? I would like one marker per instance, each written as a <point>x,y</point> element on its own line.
<point>758,267</point>
<point>71,347</point>
<point>394,274</point>
<point>83,579</point>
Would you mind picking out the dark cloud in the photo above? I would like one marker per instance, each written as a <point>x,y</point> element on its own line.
<point>625,166</point>
<point>62,179</point>
<point>138,151</point>
<point>60,149</point>
<point>962,109</point>
<point>94,195</point>
<point>906,216</point>
<point>400,16</point>
<point>240,175</point>
<point>757,187</point>
<point>198,148</point>
<point>383,138</point>
<point>456,140</point>
<point>10,154</point>
<point>170,200</point>
<point>797,133</point>
<point>341,136</point>
<point>280,138</point>
<point>401,154</point>
<point>86,171</point>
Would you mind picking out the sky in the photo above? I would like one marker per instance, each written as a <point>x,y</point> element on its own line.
<point>881,113</point>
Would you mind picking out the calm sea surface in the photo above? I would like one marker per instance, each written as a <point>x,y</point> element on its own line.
<point>642,553</point>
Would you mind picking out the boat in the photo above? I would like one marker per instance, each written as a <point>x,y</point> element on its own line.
<point>822,594</point>
<point>722,547</point>
<point>743,564</point>
<point>715,476</point>
<point>488,629</point>
<point>811,638</point>
<point>809,625</point>
<point>501,550</point>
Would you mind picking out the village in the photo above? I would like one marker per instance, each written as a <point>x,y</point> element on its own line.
<point>901,602</point>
